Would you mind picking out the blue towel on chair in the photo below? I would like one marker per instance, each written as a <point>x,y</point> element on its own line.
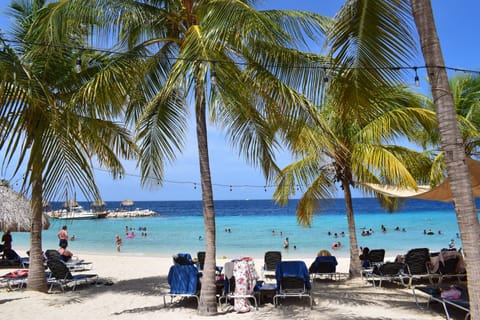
<point>183,279</point>
<point>292,269</point>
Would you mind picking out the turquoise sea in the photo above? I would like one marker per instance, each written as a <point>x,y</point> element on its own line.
<point>179,226</point>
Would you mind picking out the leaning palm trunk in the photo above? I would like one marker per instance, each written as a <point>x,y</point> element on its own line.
<point>207,304</point>
<point>355,265</point>
<point>453,148</point>
<point>36,274</point>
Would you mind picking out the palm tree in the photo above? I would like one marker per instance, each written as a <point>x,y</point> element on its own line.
<point>232,63</point>
<point>466,96</point>
<point>453,147</point>
<point>48,125</point>
<point>366,112</point>
<point>362,151</point>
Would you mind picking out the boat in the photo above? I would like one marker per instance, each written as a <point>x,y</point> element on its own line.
<point>74,212</point>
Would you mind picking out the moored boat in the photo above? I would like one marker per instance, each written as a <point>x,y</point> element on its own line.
<point>75,212</point>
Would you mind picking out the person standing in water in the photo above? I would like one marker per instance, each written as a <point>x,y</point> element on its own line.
<point>63,237</point>
<point>118,242</point>
<point>286,243</point>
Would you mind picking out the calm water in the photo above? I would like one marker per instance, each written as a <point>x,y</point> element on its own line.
<point>180,223</point>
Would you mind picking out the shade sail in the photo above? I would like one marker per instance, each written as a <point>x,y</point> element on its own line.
<point>440,193</point>
<point>16,212</point>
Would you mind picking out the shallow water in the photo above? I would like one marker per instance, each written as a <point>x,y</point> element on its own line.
<point>179,225</point>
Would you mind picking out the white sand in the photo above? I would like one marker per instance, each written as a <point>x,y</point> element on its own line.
<point>139,284</point>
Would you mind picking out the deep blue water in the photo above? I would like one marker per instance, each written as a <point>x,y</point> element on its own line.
<point>179,225</point>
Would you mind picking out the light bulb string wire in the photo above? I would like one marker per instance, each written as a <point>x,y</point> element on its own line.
<point>194,183</point>
<point>322,66</point>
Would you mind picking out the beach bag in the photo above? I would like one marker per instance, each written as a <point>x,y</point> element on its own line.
<point>451,293</point>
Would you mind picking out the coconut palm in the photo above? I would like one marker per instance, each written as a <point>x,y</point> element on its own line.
<point>453,147</point>
<point>366,111</point>
<point>49,128</point>
<point>364,151</point>
<point>465,90</point>
<point>227,60</point>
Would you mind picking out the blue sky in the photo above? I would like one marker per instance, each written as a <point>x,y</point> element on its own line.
<point>457,27</point>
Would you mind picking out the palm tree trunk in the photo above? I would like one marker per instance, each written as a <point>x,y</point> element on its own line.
<point>453,147</point>
<point>36,273</point>
<point>208,303</point>
<point>355,263</point>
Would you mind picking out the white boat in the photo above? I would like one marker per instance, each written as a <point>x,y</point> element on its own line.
<point>76,212</point>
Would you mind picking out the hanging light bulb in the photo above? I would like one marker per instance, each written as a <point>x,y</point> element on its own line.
<point>78,65</point>
<point>416,79</point>
<point>325,77</point>
<point>213,78</point>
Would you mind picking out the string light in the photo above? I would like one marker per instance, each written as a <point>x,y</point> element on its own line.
<point>78,65</point>
<point>416,79</point>
<point>325,77</point>
<point>195,184</point>
<point>239,63</point>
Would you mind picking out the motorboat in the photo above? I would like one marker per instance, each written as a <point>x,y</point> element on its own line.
<point>74,212</point>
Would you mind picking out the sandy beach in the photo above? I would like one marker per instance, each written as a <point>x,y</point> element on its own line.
<point>139,283</point>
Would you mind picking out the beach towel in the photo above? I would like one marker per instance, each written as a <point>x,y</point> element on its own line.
<point>245,280</point>
<point>451,293</point>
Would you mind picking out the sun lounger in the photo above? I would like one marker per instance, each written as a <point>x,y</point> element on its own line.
<point>240,284</point>
<point>376,257</point>
<point>448,264</point>
<point>388,271</point>
<point>61,276</point>
<point>15,279</point>
<point>417,266</point>
<point>325,267</point>
<point>74,264</point>
<point>270,260</point>
<point>184,282</point>
<point>435,294</point>
<point>293,280</point>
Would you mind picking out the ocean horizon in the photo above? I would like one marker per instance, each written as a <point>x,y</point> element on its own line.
<point>252,227</point>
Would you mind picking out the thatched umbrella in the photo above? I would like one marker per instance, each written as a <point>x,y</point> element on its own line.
<point>69,204</point>
<point>15,212</point>
<point>98,204</point>
<point>127,203</point>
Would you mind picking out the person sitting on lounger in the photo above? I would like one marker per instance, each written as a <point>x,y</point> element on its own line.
<point>65,254</point>
<point>323,256</point>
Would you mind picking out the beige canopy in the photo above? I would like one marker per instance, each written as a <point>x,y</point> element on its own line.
<point>440,193</point>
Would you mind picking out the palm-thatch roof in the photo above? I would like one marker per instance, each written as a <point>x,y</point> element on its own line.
<point>98,204</point>
<point>69,204</point>
<point>127,203</point>
<point>16,212</point>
